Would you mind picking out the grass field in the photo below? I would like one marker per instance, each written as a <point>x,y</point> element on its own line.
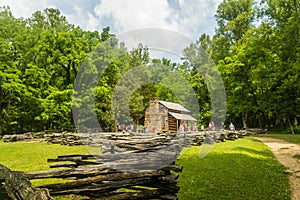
<point>32,156</point>
<point>241,169</point>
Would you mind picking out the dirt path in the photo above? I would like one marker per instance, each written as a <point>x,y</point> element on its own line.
<point>284,153</point>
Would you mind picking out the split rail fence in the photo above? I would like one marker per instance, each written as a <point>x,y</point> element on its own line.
<point>131,166</point>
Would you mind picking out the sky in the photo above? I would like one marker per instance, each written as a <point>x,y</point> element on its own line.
<point>190,18</point>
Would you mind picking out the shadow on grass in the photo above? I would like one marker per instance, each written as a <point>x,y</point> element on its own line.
<point>236,172</point>
<point>297,156</point>
<point>249,151</point>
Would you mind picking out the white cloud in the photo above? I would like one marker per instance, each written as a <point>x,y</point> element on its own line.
<point>93,23</point>
<point>25,8</point>
<point>133,14</point>
<point>83,18</point>
<point>195,17</point>
<point>190,17</point>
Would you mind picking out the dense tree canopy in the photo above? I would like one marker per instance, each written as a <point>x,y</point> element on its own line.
<point>256,49</point>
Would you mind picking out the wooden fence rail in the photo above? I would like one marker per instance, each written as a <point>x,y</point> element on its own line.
<point>131,166</point>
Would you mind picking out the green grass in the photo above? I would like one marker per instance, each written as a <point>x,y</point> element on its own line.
<point>32,156</point>
<point>293,138</point>
<point>242,169</point>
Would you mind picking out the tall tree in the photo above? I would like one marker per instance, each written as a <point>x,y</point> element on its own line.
<point>235,18</point>
<point>283,20</point>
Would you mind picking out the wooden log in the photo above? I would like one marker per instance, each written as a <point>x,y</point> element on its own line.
<point>73,159</point>
<point>19,188</point>
<point>64,165</point>
<point>175,168</point>
<point>107,177</point>
<point>83,156</point>
<point>168,188</point>
<point>48,174</point>
<point>98,174</point>
<point>78,161</point>
<point>171,179</point>
<point>103,187</point>
<point>79,172</point>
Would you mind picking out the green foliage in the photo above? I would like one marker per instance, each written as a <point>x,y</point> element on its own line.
<point>259,70</point>
<point>39,62</point>
<point>41,58</point>
<point>243,169</point>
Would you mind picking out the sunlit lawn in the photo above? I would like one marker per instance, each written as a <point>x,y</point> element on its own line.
<point>32,156</point>
<point>241,169</point>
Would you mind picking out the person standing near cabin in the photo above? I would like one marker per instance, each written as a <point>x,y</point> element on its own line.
<point>145,128</point>
<point>202,127</point>
<point>192,128</point>
<point>231,126</point>
<point>185,127</point>
<point>213,128</point>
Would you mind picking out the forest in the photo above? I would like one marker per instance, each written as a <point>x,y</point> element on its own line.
<point>256,49</point>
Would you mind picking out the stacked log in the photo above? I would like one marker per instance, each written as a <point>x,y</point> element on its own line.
<point>93,179</point>
<point>142,168</point>
<point>122,141</point>
<point>69,139</point>
<point>144,171</point>
<point>17,137</point>
<point>54,138</point>
<point>137,142</point>
<point>210,137</point>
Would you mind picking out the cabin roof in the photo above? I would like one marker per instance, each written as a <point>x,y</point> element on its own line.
<point>183,116</point>
<point>174,106</point>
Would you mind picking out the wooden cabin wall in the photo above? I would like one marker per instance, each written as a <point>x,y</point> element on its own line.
<point>173,127</point>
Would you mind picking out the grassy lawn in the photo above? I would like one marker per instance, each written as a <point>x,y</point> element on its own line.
<point>293,138</point>
<point>242,169</point>
<point>32,156</point>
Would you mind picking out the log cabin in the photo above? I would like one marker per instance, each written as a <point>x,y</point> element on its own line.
<point>164,116</point>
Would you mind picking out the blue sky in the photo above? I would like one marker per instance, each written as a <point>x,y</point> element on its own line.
<point>191,18</point>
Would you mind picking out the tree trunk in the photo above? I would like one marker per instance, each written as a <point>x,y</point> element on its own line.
<point>260,121</point>
<point>291,126</point>
<point>244,118</point>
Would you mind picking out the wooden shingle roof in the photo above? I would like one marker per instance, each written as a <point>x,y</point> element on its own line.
<point>174,106</point>
<point>183,116</point>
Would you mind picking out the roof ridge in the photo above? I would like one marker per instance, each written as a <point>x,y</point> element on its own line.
<point>174,106</point>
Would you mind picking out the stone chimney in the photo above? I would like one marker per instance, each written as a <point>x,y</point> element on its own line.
<point>154,101</point>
